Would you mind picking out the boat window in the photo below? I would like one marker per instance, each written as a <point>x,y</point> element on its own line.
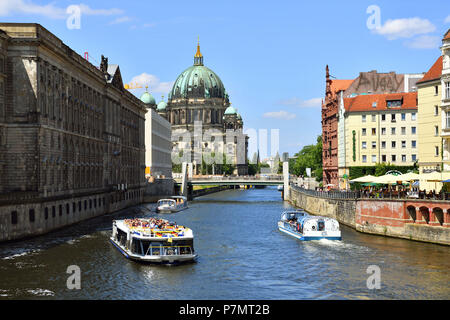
<point>321,225</point>
<point>170,250</point>
<point>155,248</point>
<point>136,247</point>
<point>185,246</point>
<point>121,237</point>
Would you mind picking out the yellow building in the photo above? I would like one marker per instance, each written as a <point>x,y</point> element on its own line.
<point>379,128</point>
<point>429,114</point>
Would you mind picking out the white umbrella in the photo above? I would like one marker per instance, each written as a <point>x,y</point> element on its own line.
<point>367,178</point>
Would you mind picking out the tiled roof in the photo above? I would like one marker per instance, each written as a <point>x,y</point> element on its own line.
<point>338,85</point>
<point>366,102</point>
<point>434,73</point>
<point>447,35</point>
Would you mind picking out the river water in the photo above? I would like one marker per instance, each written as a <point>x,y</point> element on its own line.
<point>242,255</point>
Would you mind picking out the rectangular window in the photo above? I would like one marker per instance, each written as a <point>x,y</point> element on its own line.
<point>447,120</point>
<point>364,131</point>
<point>374,144</point>
<point>374,118</point>
<point>413,144</point>
<point>393,158</point>
<point>364,145</point>
<point>383,131</point>
<point>383,158</point>
<point>393,144</point>
<point>363,118</point>
<point>403,157</point>
<point>374,131</point>
<point>403,144</point>
<point>413,116</point>
<point>364,158</point>
<point>413,157</point>
<point>31,215</point>
<point>436,151</point>
<point>436,130</point>
<point>14,217</point>
<point>393,117</point>
<point>383,117</point>
<point>436,90</point>
<point>383,144</point>
<point>447,90</point>
<point>374,158</point>
<point>436,110</point>
<point>413,130</point>
<point>403,130</point>
<point>393,131</point>
<point>403,116</point>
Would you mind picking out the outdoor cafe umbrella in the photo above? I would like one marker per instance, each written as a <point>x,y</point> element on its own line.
<point>367,178</point>
<point>386,179</point>
<point>410,176</point>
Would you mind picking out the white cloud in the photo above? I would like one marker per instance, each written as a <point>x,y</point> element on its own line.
<point>121,20</point>
<point>9,7</point>
<point>424,42</point>
<point>283,115</point>
<point>405,28</point>
<point>447,20</point>
<point>296,102</point>
<point>153,82</point>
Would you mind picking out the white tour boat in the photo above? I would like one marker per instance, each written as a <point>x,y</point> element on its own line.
<point>173,204</point>
<point>303,226</point>
<point>153,240</point>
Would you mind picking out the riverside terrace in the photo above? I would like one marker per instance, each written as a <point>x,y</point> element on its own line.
<point>377,208</point>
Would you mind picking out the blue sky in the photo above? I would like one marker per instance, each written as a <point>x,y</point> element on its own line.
<point>271,56</point>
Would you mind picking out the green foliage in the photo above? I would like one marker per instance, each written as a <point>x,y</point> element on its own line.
<point>309,157</point>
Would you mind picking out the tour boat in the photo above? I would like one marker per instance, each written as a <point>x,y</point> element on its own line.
<point>303,226</point>
<point>153,240</point>
<point>173,204</point>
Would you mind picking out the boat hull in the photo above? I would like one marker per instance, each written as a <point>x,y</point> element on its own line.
<point>168,259</point>
<point>314,235</point>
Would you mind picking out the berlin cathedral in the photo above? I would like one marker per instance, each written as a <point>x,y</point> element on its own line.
<point>204,124</point>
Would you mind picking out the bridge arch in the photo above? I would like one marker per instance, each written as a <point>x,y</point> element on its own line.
<point>439,215</point>
<point>425,213</point>
<point>412,213</point>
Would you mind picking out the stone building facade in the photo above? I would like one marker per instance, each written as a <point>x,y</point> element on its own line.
<point>71,137</point>
<point>203,120</point>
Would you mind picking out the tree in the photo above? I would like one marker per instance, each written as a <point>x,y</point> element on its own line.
<point>309,156</point>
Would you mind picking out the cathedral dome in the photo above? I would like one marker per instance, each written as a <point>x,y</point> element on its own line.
<point>198,81</point>
<point>147,98</point>
<point>230,110</point>
<point>161,105</point>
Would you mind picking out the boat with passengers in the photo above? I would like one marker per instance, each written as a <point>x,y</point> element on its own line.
<point>173,204</point>
<point>303,226</point>
<point>153,240</point>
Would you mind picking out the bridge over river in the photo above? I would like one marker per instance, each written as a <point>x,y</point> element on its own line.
<point>187,180</point>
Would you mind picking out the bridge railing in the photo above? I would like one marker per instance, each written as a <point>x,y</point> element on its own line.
<point>239,178</point>
<point>328,194</point>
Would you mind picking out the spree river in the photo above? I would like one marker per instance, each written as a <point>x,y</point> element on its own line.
<point>241,255</point>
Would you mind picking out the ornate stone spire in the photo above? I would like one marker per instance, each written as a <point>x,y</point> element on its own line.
<point>198,58</point>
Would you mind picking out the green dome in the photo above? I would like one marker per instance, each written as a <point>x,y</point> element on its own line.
<point>198,81</point>
<point>230,110</point>
<point>239,116</point>
<point>147,98</point>
<point>161,106</point>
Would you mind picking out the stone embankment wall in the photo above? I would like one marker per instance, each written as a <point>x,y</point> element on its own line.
<point>158,189</point>
<point>28,217</point>
<point>420,220</point>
